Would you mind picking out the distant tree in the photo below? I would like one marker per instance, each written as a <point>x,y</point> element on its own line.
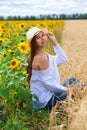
<point>15,17</point>
<point>32,17</point>
<point>1,18</point>
<point>62,16</point>
<point>54,16</point>
<point>83,16</point>
<point>26,17</point>
<point>42,17</point>
<point>73,16</point>
<point>9,18</point>
<point>19,17</point>
<point>48,16</point>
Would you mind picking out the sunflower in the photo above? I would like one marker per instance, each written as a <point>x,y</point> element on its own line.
<point>18,34</point>
<point>6,40</point>
<point>1,40</point>
<point>21,26</point>
<point>9,50</point>
<point>24,47</point>
<point>26,85</point>
<point>25,73</point>
<point>1,32</point>
<point>4,55</point>
<point>14,63</point>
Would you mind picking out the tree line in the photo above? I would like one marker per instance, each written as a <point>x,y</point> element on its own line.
<point>48,16</point>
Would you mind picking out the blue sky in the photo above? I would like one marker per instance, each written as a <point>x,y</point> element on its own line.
<point>36,7</point>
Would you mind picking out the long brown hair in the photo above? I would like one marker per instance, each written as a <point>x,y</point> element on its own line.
<point>34,48</point>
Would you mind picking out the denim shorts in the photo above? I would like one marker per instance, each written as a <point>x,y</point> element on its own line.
<point>55,98</point>
<point>60,96</point>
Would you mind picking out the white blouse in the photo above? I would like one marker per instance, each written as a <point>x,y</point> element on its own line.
<point>45,83</point>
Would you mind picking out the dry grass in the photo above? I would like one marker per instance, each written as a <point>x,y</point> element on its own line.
<point>74,109</point>
<point>75,45</point>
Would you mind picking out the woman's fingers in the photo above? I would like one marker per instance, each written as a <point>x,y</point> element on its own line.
<point>45,30</point>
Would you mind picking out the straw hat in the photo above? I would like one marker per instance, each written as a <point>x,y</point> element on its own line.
<point>32,32</point>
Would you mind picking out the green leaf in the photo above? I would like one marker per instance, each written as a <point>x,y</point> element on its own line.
<point>5,93</point>
<point>1,71</point>
<point>11,83</point>
<point>24,64</point>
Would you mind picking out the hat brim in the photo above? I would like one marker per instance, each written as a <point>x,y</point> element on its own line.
<point>37,33</point>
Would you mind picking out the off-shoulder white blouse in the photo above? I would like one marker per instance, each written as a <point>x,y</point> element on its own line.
<point>45,83</point>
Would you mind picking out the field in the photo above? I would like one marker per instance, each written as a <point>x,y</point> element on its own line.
<point>16,108</point>
<point>74,42</point>
<point>15,98</point>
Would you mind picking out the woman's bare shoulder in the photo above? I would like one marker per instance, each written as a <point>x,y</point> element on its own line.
<point>40,62</point>
<point>36,63</point>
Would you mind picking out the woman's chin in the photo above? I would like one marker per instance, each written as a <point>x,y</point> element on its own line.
<point>44,43</point>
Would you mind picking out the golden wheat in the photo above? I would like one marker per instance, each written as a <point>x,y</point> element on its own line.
<point>74,109</point>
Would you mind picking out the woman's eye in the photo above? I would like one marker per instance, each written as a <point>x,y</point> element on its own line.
<point>42,35</point>
<point>37,37</point>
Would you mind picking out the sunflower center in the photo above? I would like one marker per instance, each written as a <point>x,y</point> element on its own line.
<point>6,40</point>
<point>23,47</point>
<point>22,26</point>
<point>4,55</point>
<point>13,63</point>
<point>0,41</point>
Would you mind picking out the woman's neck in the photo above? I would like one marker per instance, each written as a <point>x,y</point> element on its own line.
<point>41,51</point>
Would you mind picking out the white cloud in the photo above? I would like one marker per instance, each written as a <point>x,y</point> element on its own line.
<point>36,7</point>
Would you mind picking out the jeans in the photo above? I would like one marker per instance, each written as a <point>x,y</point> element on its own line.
<point>60,96</point>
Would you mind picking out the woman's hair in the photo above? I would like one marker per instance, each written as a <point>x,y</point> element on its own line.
<point>34,48</point>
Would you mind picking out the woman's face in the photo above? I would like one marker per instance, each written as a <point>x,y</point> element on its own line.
<point>41,39</point>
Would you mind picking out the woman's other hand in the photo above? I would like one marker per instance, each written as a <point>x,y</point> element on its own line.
<point>50,36</point>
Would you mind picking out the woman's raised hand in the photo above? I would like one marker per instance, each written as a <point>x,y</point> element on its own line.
<point>50,36</point>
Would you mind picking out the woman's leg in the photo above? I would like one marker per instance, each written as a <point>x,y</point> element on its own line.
<point>73,81</point>
<point>62,95</point>
<point>55,98</point>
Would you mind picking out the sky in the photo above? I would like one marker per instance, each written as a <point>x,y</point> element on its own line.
<point>44,7</point>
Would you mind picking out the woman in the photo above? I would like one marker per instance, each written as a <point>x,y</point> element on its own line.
<point>43,69</point>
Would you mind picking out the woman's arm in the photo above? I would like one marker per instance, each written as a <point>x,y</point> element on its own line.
<point>61,57</point>
<point>60,54</point>
<point>51,84</point>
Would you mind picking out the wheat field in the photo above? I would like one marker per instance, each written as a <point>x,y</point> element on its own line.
<point>74,42</point>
